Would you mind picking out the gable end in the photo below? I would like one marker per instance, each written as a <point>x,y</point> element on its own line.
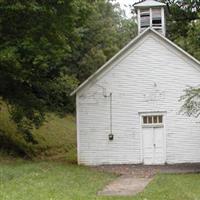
<point>131,44</point>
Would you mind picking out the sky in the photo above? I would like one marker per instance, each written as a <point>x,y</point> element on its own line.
<point>125,6</point>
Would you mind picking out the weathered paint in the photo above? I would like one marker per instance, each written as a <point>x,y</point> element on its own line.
<point>149,77</point>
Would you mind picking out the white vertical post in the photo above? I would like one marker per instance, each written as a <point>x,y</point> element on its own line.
<point>150,15</point>
<point>139,22</point>
<point>77,129</point>
<point>163,21</point>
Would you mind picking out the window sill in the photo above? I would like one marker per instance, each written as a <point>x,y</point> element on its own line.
<point>152,125</point>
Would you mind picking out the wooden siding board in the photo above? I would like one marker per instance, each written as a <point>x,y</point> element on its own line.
<point>151,77</point>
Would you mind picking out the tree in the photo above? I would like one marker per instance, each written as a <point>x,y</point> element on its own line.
<point>180,14</point>
<point>48,47</point>
<point>104,32</point>
<point>183,18</point>
<point>183,26</point>
<point>34,48</point>
<point>193,39</point>
<point>191,99</point>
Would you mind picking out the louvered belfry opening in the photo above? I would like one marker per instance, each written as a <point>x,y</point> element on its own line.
<point>151,14</point>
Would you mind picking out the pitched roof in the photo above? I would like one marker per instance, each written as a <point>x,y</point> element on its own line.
<point>128,46</point>
<point>149,3</point>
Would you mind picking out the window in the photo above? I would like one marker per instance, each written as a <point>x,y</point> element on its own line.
<point>153,119</point>
<point>156,18</point>
<point>145,120</point>
<point>145,19</point>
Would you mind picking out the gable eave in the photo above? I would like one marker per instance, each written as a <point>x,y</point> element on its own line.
<point>123,50</point>
<point>110,61</point>
<point>175,46</point>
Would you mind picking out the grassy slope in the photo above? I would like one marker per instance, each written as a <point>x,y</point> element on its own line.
<point>49,181</point>
<point>56,138</point>
<point>20,180</point>
<point>59,181</point>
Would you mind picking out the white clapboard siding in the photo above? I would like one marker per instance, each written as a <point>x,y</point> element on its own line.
<point>150,76</point>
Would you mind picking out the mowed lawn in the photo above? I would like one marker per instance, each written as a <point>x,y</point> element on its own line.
<point>23,180</point>
<point>46,180</point>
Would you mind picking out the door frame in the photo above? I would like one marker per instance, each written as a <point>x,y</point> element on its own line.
<point>150,113</point>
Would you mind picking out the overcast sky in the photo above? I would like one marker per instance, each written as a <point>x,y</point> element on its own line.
<point>125,5</point>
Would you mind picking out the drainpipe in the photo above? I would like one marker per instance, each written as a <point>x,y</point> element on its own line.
<point>110,136</point>
<point>111,117</point>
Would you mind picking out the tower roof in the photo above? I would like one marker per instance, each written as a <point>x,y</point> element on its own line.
<point>149,3</point>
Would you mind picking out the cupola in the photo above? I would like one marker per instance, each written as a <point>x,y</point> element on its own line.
<point>151,14</point>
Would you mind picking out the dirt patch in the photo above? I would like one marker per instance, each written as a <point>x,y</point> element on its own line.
<point>148,171</point>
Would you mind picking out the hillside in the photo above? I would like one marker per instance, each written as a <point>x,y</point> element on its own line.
<point>56,138</point>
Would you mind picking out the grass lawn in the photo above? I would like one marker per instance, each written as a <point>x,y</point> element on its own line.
<point>46,180</point>
<point>22,180</point>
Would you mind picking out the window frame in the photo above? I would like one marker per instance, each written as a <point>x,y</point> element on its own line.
<point>153,17</point>
<point>152,115</point>
<point>149,12</point>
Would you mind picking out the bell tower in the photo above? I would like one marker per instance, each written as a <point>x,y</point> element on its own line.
<point>151,13</point>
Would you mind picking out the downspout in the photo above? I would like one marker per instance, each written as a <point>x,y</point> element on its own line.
<point>110,136</point>
<point>111,128</point>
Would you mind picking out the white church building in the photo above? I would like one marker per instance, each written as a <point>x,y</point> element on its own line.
<point>128,112</point>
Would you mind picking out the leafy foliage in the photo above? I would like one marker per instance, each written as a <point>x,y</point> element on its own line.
<point>183,27</point>
<point>183,24</point>
<point>191,104</point>
<point>34,50</point>
<point>103,33</point>
<point>48,47</point>
<point>55,139</point>
<point>180,14</point>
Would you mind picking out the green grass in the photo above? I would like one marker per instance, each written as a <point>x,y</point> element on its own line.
<point>173,187</point>
<point>56,138</point>
<point>46,180</point>
<point>49,181</point>
<point>22,180</point>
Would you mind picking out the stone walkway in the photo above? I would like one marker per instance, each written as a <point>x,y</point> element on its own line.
<point>125,186</point>
<point>134,178</point>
